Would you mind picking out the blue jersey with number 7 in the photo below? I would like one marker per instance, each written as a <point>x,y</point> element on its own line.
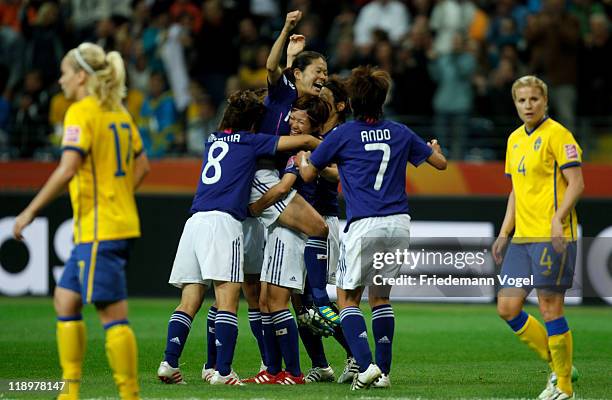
<point>372,159</point>
<point>228,168</point>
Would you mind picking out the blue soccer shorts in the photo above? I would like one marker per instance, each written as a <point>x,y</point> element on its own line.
<point>96,270</point>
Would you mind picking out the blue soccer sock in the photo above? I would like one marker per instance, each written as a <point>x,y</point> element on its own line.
<point>314,347</point>
<point>356,335</point>
<point>256,328</point>
<point>315,260</point>
<point>286,333</point>
<point>178,330</point>
<point>211,348</point>
<point>383,326</point>
<point>339,336</point>
<point>274,362</point>
<point>226,333</point>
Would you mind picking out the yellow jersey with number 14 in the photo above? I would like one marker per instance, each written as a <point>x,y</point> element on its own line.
<point>102,191</point>
<point>534,161</point>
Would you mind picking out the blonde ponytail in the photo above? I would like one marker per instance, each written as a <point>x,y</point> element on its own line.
<point>106,74</point>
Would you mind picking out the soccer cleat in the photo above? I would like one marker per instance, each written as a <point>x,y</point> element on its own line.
<point>288,379</point>
<point>350,369</point>
<point>264,378</point>
<point>328,314</point>
<point>364,379</point>
<point>550,387</point>
<point>231,379</point>
<point>558,394</point>
<point>552,383</point>
<point>382,382</point>
<point>318,374</point>
<point>207,373</point>
<point>168,374</point>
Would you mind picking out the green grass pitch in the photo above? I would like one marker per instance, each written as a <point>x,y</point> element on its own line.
<point>440,351</point>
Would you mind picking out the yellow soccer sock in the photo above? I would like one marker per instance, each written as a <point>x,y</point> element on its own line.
<point>561,346</point>
<point>122,354</point>
<point>531,332</point>
<point>71,348</point>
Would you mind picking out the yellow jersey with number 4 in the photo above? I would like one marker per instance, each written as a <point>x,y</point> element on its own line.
<point>534,161</point>
<point>102,191</point>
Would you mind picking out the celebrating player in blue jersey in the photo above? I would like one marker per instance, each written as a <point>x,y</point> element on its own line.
<point>543,160</point>
<point>305,76</point>
<point>210,250</point>
<point>371,154</point>
<point>102,163</point>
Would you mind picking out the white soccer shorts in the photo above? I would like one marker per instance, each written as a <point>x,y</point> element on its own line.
<point>365,237</point>
<point>333,248</point>
<point>263,181</point>
<point>210,249</point>
<point>284,259</point>
<point>254,242</point>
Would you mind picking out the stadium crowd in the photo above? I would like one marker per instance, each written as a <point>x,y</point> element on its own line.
<point>453,62</point>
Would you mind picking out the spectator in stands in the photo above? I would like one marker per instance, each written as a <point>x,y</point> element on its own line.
<point>454,97</point>
<point>5,112</point>
<point>201,120</point>
<point>215,38</point>
<point>412,74</point>
<point>158,122</point>
<point>595,64</point>
<point>253,75</point>
<point>448,18</point>
<point>553,37</point>
<point>30,126</point>
<point>44,49</point>
<point>391,16</point>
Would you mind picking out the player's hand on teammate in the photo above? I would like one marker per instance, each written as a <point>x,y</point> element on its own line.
<point>292,19</point>
<point>254,210</point>
<point>435,146</point>
<point>296,45</point>
<point>24,219</point>
<point>302,159</point>
<point>556,232</point>
<point>498,248</point>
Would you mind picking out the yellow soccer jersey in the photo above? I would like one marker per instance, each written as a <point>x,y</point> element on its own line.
<point>102,191</point>
<point>534,161</point>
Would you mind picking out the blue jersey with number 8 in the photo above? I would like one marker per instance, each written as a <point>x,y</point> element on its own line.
<point>372,159</point>
<point>228,169</point>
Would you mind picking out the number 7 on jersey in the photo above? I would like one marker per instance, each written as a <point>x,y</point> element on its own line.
<point>386,149</point>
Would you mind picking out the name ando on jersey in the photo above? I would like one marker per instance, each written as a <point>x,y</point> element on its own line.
<point>375,135</point>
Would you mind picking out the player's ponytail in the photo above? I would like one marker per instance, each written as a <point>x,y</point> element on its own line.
<point>106,73</point>
<point>368,89</point>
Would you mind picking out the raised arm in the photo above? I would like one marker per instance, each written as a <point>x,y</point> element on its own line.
<point>295,46</point>
<point>55,185</point>
<point>273,61</point>
<point>436,159</point>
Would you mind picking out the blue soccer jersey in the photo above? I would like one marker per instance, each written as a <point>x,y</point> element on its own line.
<point>372,159</point>
<point>326,196</point>
<point>278,104</point>
<point>228,169</point>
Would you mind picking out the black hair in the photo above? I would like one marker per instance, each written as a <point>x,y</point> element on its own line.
<point>368,89</point>
<point>338,88</point>
<point>244,111</point>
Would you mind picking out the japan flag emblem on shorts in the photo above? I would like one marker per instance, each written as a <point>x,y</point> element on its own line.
<point>571,151</point>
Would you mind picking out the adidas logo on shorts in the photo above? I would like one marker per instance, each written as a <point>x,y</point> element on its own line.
<point>292,279</point>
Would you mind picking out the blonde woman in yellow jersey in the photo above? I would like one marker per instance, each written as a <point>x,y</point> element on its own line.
<point>544,163</point>
<point>102,163</point>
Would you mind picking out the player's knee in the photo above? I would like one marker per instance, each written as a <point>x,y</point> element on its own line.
<point>507,311</point>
